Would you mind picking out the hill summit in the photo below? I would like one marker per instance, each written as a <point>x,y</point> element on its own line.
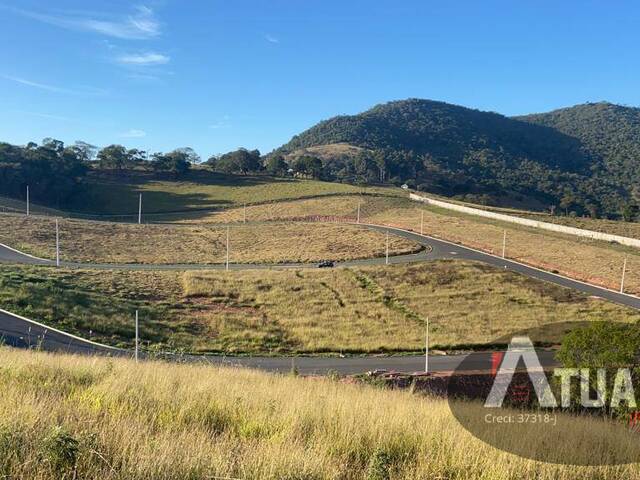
<point>581,158</point>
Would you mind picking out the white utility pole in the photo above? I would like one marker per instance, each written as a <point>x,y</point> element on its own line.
<point>358,220</point>
<point>624,271</point>
<point>387,250</point>
<point>426,350</point>
<point>140,210</point>
<point>137,334</point>
<point>57,244</point>
<point>421,222</point>
<point>227,260</point>
<point>504,243</point>
<point>244,220</point>
<point>27,200</point>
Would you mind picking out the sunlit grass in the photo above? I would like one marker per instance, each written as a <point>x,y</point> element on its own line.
<point>77,417</point>
<point>105,242</point>
<point>311,311</point>
<point>588,260</point>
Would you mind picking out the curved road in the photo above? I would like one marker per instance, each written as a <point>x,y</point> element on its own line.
<point>434,249</point>
<point>22,332</point>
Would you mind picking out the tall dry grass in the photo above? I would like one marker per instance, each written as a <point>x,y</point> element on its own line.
<point>64,417</point>
<point>106,242</point>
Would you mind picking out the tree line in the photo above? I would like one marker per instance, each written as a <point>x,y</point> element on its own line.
<point>55,172</point>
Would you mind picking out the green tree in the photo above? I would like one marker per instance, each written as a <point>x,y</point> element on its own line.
<point>177,162</point>
<point>114,157</point>
<point>629,212</point>
<point>276,165</point>
<point>309,165</point>
<point>239,161</point>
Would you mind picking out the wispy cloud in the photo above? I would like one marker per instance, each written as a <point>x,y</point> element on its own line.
<point>140,24</point>
<point>55,89</point>
<point>222,123</point>
<point>48,116</point>
<point>271,39</point>
<point>143,59</point>
<point>134,133</point>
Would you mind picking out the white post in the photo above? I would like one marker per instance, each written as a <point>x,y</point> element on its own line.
<point>244,220</point>
<point>624,270</point>
<point>227,260</point>
<point>387,250</point>
<point>504,243</point>
<point>426,350</point>
<point>140,210</point>
<point>137,334</point>
<point>57,244</point>
<point>27,200</point>
<point>421,222</point>
<point>358,221</point>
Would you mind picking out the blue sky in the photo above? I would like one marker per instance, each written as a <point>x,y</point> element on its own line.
<point>217,75</point>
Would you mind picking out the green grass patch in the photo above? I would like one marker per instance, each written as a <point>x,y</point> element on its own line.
<point>268,312</point>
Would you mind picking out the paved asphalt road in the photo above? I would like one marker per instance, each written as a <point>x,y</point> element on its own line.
<point>22,332</point>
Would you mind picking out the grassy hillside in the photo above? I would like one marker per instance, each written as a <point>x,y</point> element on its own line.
<point>103,242</point>
<point>200,189</point>
<point>108,419</point>
<point>12,205</point>
<point>359,310</point>
<point>453,150</point>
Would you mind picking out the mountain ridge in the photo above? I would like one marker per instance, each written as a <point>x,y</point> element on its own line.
<point>457,151</point>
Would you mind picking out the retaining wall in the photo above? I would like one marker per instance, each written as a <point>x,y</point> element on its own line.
<point>607,237</point>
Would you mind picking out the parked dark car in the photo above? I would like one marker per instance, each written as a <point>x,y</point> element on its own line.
<point>326,264</point>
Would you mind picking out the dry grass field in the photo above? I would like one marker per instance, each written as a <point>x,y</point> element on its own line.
<point>383,309</point>
<point>102,242</point>
<point>341,206</point>
<point>344,310</point>
<point>64,417</point>
<point>588,260</point>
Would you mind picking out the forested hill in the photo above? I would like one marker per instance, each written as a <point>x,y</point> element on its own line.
<point>480,156</point>
<point>607,131</point>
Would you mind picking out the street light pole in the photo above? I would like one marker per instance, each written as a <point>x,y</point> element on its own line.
<point>137,334</point>
<point>421,222</point>
<point>140,210</point>
<point>227,259</point>
<point>426,350</point>
<point>27,200</point>
<point>624,271</point>
<point>386,261</point>
<point>358,221</point>
<point>504,243</point>
<point>57,244</point>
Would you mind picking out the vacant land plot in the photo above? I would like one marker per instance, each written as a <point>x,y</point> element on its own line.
<point>340,206</point>
<point>107,419</point>
<point>588,260</point>
<point>86,241</point>
<point>348,310</point>
<point>376,309</point>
